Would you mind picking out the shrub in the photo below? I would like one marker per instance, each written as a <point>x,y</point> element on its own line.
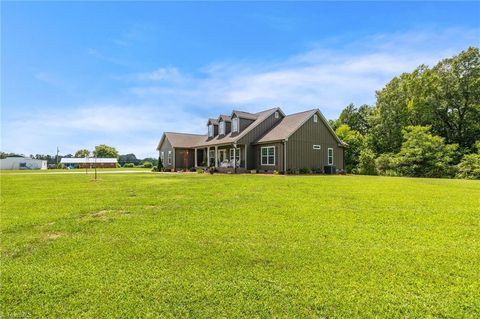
<point>385,164</point>
<point>469,167</point>
<point>147,164</point>
<point>200,171</point>
<point>192,169</point>
<point>129,165</point>
<point>424,155</point>
<point>155,169</point>
<point>305,170</point>
<point>159,164</point>
<point>366,164</point>
<point>117,165</point>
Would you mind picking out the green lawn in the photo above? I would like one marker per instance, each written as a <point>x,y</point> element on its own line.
<point>200,246</point>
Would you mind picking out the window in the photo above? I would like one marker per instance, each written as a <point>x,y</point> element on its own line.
<point>316,147</point>
<point>221,128</point>
<point>268,155</point>
<point>315,118</point>
<point>169,157</point>
<point>235,125</point>
<point>277,115</point>
<point>210,130</point>
<point>162,157</point>
<point>330,156</point>
<point>237,154</point>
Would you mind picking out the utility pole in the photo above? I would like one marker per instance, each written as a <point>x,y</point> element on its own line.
<point>57,156</point>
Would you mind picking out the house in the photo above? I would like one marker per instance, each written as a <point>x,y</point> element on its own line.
<point>89,162</point>
<point>265,141</point>
<point>15,162</point>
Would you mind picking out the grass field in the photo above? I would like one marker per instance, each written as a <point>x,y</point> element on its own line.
<point>145,245</point>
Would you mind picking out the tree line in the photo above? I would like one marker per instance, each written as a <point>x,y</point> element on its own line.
<point>100,151</point>
<point>425,123</point>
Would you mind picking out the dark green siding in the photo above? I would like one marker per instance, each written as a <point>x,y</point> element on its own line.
<point>300,152</point>
<point>254,135</point>
<point>279,157</point>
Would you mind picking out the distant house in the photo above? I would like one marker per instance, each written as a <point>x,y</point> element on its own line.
<point>13,163</point>
<point>265,141</point>
<point>89,162</point>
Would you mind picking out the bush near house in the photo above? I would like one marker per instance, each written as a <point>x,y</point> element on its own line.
<point>129,165</point>
<point>147,164</point>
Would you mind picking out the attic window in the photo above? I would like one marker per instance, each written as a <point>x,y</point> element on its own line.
<point>221,128</point>
<point>235,125</point>
<point>210,130</point>
<point>315,118</point>
<point>277,115</point>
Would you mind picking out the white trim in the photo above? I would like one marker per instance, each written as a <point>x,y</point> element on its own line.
<point>196,162</point>
<point>277,114</point>
<point>317,147</point>
<point>236,124</point>
<point>315,118</point>
<point>216,156</point>
<point>328,156</point>
<point>221,128</point>
<point>169,158</point>
<point>211,130</point>
<point>267,156</point>
<point>285,157</point>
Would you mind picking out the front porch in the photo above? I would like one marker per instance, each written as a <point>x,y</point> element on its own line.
<point>225,158</point>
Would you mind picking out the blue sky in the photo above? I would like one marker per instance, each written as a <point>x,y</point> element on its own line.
<point>80,74</point>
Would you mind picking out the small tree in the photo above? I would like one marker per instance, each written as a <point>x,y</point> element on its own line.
<point>160,164</point>
<point>366,164</point>
<point>469,167</point>
<point>424,155</point>
<point>385,164</point>
<point>355,141</point>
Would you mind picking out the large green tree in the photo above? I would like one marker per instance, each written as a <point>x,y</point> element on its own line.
<point>105,151</point>
<point>82,153</point>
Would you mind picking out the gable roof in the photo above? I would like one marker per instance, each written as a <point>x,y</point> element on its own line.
<point>287,126</point>
<point>245,115</point>
<point>233,137</point>
<point>212,121</point>
<point>181,140</point>
<point>291,123</point>
<point>224,118</point>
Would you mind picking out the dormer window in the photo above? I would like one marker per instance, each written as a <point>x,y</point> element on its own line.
<point>315,118</point>
<point>210,130</point>
<point>235,124</point>
<point>221,128</point>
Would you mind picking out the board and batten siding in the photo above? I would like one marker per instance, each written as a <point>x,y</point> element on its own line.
<point>165,147</point>
<point>279,157</point>
<point>300,151</point>
<point>254,135</point>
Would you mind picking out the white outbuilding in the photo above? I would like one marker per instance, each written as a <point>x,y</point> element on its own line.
<point>12,163</point>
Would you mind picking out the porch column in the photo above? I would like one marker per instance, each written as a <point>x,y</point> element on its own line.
<point>196,162</point>
<point>246,167</point>
<point>216,156</point>
<point>208,156</point>
<point>235,158</point>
